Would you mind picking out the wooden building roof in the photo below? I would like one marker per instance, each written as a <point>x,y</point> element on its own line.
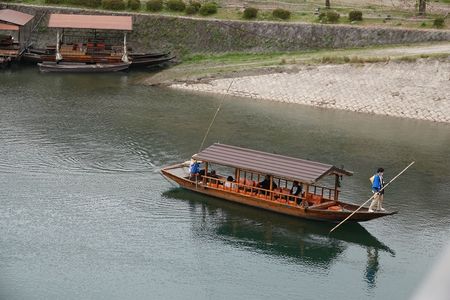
<point>14,17</point>
<point>267,163</point>
<point>8,27</point>
<point>91,22</point>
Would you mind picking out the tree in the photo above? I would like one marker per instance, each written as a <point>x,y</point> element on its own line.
<point>422,7</point>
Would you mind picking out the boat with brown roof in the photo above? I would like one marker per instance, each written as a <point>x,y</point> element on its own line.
<point>249,167</point>
<point>14,33</point>
<point>94,39</point>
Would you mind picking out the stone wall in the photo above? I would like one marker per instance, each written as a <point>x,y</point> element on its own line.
<point>191,35</point>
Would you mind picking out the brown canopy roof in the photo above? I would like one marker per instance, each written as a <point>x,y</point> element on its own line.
<point>14,17</point>
<point>266,163</point>
<point>90,22</point>
<point>8,27</point>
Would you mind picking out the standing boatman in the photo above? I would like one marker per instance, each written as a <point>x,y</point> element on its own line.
<point>377,185</point>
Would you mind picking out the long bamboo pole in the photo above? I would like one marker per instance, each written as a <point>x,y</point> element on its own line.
<point>371,197</point>
<point>215,115</point>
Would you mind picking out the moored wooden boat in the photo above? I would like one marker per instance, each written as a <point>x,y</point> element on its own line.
<point>137,59</point>
<point>250,166</point>
<point>14,33</point>
<point>150,62</point>
<point>137,55</point>
<point>64,67</point>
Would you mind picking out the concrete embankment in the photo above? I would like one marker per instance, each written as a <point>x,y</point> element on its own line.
<point>193,35</point>
<point>418,90</point>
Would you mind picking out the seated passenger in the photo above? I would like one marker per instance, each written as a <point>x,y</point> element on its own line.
<point>213,174</point>
<point>296,191</point>
<point>265,184</point>
<point>230,183</point>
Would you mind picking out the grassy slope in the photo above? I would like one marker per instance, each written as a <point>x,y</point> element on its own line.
<point>303,11</point>
<point>208,66</point>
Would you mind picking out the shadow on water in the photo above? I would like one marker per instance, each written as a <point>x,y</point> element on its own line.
<point>307,242</point>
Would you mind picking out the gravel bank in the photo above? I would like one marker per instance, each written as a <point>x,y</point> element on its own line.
<point>419,90</point>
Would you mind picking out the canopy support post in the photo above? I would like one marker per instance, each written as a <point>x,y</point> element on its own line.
<point>336,186</point>
<point>205,180</point>
<point>125,54</point>
<point>58,56</point>
<point>271,187</point>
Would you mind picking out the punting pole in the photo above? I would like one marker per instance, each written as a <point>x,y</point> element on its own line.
<point>371,197</point>
<point>58,56</point>
<point>215,115</point>
<point>125,54</point>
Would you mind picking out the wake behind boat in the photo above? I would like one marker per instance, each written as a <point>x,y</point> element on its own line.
<point>248,166</point>
<point>69,67</point>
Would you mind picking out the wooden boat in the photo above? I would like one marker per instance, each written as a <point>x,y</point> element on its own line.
<point>150,62</point>
<point>248,166</point>
<point>137,55</point>
<point>33,55</point>
<point>4,61</point>
<point>32,58</point>
<point>64,67</point>
<point>14,33</point>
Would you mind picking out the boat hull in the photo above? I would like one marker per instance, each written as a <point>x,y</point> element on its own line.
<point>282,207</point>
<point>148,55</point>
<point>150,62</point>
<point>82,68</point>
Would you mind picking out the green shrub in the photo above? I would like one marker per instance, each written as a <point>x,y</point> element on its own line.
<point>176,5</point>
<point>281,14</point>
<point>329,17</point>
<point>154,5</point>
<point>54,1</point>
<point>439,22</point>
<point>134,4</point>
<point>195,4</point>
<point>113,4</point>
<point>87,3</point>
<point>193,7</point>
<point>355,15</point>
<point>333,16</point>
<point>208,8</point>
<point>190,9</point>
<point>250,13</point>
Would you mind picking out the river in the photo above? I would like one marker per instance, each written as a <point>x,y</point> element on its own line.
<point>85,213</point>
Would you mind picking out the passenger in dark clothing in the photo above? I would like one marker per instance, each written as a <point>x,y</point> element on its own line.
<point>210,174</point>
<point>265,184</point>
<point>296,190</point>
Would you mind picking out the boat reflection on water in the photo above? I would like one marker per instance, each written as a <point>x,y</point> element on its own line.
<point>306,242</point>
<point>372,266</point>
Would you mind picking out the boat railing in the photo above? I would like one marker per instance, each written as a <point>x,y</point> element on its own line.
<point>324,192</point>
<point>244,188</point>
<point>315,195</point>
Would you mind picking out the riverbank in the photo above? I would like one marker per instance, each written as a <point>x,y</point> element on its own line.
<point>409,82</point>
<point>185,35</point>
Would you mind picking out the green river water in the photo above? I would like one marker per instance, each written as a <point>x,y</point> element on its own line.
<point>85,213</point>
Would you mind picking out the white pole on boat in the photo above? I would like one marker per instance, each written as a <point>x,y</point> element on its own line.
<point>215,115</point>
<point>125,54</point>
<point>371,197</point>
<point>58,56</point>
